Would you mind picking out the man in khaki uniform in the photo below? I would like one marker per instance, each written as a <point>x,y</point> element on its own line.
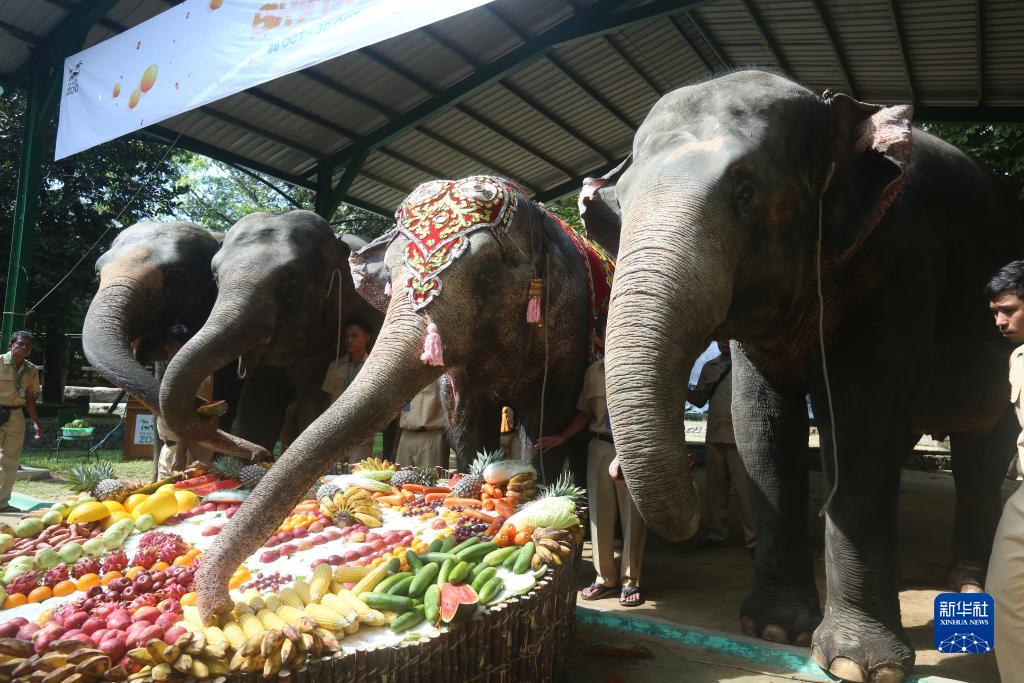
<point>723,467</point>
<point>423,443</point>
<point>176,455</point>
<point>19,386</point>
<point>1005,580</point>
<point>340,374</point>
<point>607,494</point>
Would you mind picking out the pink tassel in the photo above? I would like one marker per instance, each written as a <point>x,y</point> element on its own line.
<point>533,307</point>
<point>387,288</point>
<point>432,351</point>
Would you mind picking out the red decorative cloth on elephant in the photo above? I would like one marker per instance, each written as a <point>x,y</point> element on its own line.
<point>437,217</point>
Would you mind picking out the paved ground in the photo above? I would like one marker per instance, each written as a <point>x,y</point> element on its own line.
<point>705,588</point>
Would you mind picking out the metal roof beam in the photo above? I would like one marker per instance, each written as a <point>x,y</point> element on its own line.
<point>979,39</point>
<point>897,25</point>
<point>20,33</point>
<point>693,48</point>
<point>296,110</point>
<point>574,183</point>
<point>826,28</point>
<point>256,130</point>
<point>348,92</point>
<point>636,69</point>
<point>411,163</point>
<point>391,185</point>
<point>705,35</point>
<point>766,38</point>
<point>596,19</point>
<point>67,36</point>
<point>469,154</point>
<point>108,24</point>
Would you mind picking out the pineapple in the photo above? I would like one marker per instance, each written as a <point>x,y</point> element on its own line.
<point>327,490</point>
<point>470,485</point>
<point>564,487</point>
<point>84,478</point>
<point>227,467</point>
<point>113,489</point>
<point>250,476</point>
<point>419,475</point>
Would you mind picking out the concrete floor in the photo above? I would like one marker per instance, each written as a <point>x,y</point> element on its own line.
<point>704,589</point>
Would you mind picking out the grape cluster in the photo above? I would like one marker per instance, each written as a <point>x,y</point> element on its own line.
<point>270,581</point>
<point>419,507</point>
<point>466,527</point>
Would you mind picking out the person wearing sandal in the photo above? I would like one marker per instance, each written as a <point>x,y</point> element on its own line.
<point>607,494</point>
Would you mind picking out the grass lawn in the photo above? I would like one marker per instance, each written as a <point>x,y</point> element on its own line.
<point>56,488</point>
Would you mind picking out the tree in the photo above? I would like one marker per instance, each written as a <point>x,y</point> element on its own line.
<point>84,199</point>
<point>1000,147</point>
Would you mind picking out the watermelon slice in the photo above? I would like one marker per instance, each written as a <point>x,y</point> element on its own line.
<point>458,603</point>
<point>197,481</point>
<point>222,485</point>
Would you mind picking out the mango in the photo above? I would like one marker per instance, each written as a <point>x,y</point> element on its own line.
<point>6,541</point>
<point>28,527</point>
<point>144,522</point>
<point>162,505</point>
<point>94,547</point>
<point>70,553</point>
<point>52,517</point>
<point>134,500</point>
<point>186,500</point>
<point>88,512</point>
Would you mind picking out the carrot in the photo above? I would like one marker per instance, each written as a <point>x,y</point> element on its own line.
<point>479,514</point>
<point>521,538</point>
<point>415,488</point>
<point>488,489</point>
<point>495,525</point>
<point>436,489</point>
<point>488,502</point>
<point>394,499</point>
<point>452,502</point>
<point>428,497</point>
<point>504,507</point>
<point>408,496</point>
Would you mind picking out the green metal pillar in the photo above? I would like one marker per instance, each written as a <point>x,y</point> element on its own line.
<point>42,89</point>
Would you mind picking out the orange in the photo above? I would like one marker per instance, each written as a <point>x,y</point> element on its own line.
<point>87,581</point>
<point>64,588</point>
<point>188,599</point>
<point>159,566</point>
<point>15,600</point>
<point>132,572</point>
<point>182,561</point>
<point>243,572</point>
<point>39,594</point>
<point>235,582</point>
<point>109,576</point>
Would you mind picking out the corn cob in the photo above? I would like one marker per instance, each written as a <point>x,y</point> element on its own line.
<point>346,574</point>
<point>270,620</point>
<point>367,583</point>
<point>192,621</point>
<point>326,617</point>
<point>253,599</point>
<point>366,615</point>
<point>301,586</point>
<point>242,607</point>
<point>234,634</point>
<point>251,625</point>
<point>271,602</point>
<point>321,582</point>
<point>215,636</point>
<point>341,607</point>
<point>291,598</point>
<point>295,617</point>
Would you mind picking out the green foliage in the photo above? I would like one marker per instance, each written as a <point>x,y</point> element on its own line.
<point>1000,147</point>
<point>568,211</point>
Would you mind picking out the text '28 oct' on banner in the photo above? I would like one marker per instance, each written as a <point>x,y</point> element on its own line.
<point>203,50</point>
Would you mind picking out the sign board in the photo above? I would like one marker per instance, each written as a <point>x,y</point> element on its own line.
<point>139,431</point>
<point>145,428</point>
<point>203,50</point>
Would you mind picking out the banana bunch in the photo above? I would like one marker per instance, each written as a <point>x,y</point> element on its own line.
<point>554,544</point>
<point>64,660</point>
<point>374,465</point>
<point>193,655</point>
<point>522,486</point>
<point>352,506</point>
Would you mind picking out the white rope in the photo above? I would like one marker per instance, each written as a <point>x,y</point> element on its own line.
<point>330,288</point>
<point>821,343</point>
<point>544,382</point>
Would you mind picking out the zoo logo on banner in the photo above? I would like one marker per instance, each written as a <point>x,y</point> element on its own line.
<point>964,623</point>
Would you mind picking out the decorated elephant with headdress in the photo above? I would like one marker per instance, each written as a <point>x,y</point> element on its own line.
<point>479,284</point>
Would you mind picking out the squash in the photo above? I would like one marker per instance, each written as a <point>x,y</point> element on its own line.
<point>88,512</point>
<point>162,506</point>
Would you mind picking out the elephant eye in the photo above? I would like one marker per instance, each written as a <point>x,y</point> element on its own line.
<point>744,194</point>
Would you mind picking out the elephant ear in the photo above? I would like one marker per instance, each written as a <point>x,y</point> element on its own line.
<point>599,207</point>
<point>370,274</point>
<point>871,148</point>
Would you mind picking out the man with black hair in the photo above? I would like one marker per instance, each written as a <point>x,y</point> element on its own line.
<point>1005,580</point>
<point>19,386</point>
<point>342,371</point>
<point>176,455</point>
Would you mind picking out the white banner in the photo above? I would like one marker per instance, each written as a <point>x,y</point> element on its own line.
<point>203,50</point>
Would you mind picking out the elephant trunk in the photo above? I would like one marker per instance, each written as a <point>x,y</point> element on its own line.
<point>116,315</point>
<point>390,378</point>
<point>229,332</point>
<point>665,304</point>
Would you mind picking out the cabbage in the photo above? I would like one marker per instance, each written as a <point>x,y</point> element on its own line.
<point>556,512</point>
<point>503,470</point>
<point>347,480</point>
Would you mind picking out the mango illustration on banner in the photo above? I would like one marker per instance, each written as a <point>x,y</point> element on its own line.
<point>216,4</point>
<point>133,99</point>
<point>117,90</point>
<point>146,84</point>
<point>148,78</point>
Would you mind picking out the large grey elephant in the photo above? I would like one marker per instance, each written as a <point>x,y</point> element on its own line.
<point>460,267</point>
<point>283,287</point>
<point>846,253</point>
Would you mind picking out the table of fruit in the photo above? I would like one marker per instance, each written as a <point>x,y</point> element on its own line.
<point>100,587</point>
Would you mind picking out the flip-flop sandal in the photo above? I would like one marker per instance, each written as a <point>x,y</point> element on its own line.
<point>596,591</point>
<point>628,592</point>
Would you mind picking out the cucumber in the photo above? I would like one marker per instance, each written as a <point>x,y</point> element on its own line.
<point>446,569</point>
<point>539,573</point>
<point>394,566</point>
<point>432,604</point>
<point>402,587</point>
<point>472,540</point>
<point>523,561</point>
<point>491,590</point>
<point>448,543</point>
<point>390,581</point>
<point>475,572</point>
<point>459,573</point>
<point>414,617</point>
<point>483,577</point>
<point>510,561</point>
<point>496,557</point>
<point>392,603</point>
<point>434,546</point>
<point>423,578</point>
<point>435,557</point>
<point>476,552</point>
<point>414,560</point>
<point>527,588</point>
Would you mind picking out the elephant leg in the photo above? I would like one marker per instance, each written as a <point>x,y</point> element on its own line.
<point>979,467</point>
<point>771,436</point>
<point>474,427</point>
<point>861,637</point>
<point>390,441</point>
<point>261,407</point>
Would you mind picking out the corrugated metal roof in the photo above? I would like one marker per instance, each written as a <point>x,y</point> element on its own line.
<point>574,79</point>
